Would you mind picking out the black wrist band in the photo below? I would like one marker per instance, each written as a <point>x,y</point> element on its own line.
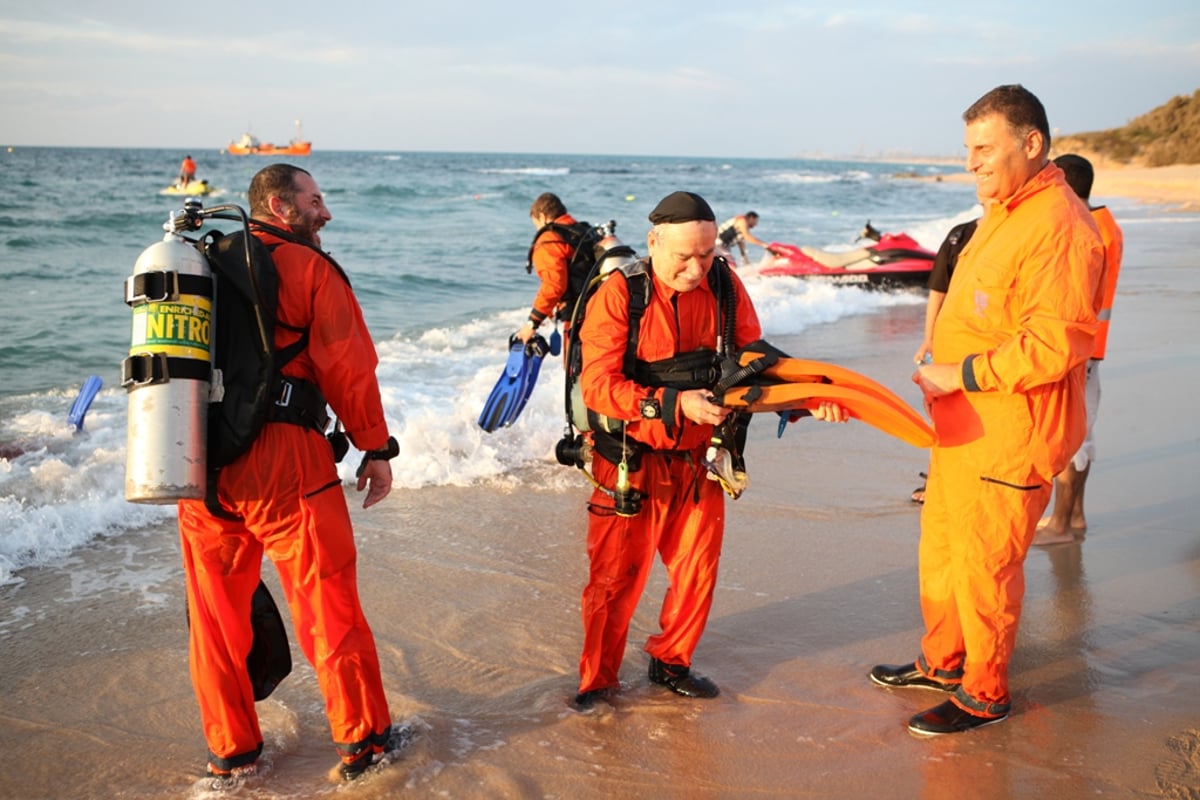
<point>385,453</point>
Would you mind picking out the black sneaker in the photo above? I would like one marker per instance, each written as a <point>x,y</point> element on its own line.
<point>226,778</point>
<point>908,676</point>
<point>680,680</point>
<point>377,749</point>
<point>949,718</point>
<point>586,701</point>
<point>357,765</point>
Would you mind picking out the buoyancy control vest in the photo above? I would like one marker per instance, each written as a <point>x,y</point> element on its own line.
<point>582,238</point>
<point>697,369</point>
<point>728,233</point>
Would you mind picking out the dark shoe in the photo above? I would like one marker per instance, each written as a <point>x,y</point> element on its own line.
<point>949,718</point>
<point>680,680</point>
<point>918,494</point>
<point>228,778</point>
<point>586,701</point>
<point>907,676</point>
<point>356,766</point>
<point>377,749</point>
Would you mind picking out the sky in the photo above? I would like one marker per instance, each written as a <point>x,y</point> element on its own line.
<point>747,78</point>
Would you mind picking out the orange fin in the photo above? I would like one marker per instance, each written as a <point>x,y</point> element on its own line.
<point>889,414</point>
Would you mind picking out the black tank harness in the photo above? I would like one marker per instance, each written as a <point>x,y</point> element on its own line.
<point>698,369</point>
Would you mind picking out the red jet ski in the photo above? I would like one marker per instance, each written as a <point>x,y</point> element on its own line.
<point>895,260</point>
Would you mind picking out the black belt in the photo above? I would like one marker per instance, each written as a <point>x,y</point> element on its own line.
<point>299,402</point>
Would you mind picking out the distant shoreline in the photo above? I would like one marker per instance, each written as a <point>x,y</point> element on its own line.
<point>1177,186</point>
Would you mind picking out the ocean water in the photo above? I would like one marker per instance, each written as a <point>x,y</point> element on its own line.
<point>435,245</point>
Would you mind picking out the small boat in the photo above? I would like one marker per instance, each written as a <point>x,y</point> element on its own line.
<point>894,260</point>
<point>193,189</point>
<point>249,145</point>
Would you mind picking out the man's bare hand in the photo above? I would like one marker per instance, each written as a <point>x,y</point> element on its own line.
<point>697,407</point>
<point>377,474</point>
<point>829,411</point>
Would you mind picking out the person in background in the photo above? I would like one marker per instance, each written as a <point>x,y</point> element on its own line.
<point>283,498</point>
<point>1006,395</point>
<point>550,257</point>
<point>1067,521</point>
<point>939,284</point>
<point>668,429</point>
<point>187,171</point>
<point>737,230</point>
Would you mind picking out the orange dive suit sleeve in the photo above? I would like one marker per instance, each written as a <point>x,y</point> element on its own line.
<point>340,357</point>
<point>1114,248</point>
<point>551,260</point>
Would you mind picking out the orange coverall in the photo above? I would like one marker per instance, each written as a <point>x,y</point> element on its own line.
<point>1114,246</point>
<point>287,492</point>
<point>1020,320</point>
<point>683,515</point>
<point>551,258</point>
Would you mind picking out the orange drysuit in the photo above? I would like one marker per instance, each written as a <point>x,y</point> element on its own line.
<point>1114,246</point>
<point>683,514</point>
<point>1019,320</point>
<point>551,256</point>
<point>286,491</point>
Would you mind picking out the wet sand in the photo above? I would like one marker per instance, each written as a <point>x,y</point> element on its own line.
<point>474,597</point>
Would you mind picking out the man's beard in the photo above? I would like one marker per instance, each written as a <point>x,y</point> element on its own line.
<point>306,230</point>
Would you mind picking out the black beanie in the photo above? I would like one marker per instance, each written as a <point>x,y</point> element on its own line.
<point>682,207</point>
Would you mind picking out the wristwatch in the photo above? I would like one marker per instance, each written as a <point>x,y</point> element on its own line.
<point>649,408</point>
<point>385,453</point>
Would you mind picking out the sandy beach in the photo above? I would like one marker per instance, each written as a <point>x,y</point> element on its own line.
<point>1176,187</point>
<point>473,594</point>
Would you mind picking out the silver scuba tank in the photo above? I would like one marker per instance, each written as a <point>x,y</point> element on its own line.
<point>168,372</point>
<point>611,254</point>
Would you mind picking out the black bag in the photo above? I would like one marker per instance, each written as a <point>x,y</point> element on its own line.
<point>245,361</point>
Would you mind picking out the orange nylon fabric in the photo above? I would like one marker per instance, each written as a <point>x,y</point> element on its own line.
<point>1114,247</point>
<point>685,532</point>
<point>288,494</point>
<point>551,258</point>
<point>673,324</point>
<point>1021,304</point>
<point>340,356</point>
<point>683,515</point>
<point>1024,309</point>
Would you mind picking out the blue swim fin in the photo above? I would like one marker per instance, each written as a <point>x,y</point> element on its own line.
<point>535,351</point>
<point>508,391</point>
<point>83,401</point>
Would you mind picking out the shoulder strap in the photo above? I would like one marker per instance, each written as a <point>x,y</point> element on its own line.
<point>294,239</point>
<point>571,235</point>
<point>720,280</point>
<point>637,278</point>
<point>286,354</point>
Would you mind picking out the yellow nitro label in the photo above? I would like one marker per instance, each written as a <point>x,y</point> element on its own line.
<point>180,328</point>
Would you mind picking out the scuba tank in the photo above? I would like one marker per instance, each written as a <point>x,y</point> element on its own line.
<point>611,254</point>
<point>168,372</point>
<point>574,449</point>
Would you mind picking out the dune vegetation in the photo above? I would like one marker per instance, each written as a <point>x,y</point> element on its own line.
<point>1168,135</point>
